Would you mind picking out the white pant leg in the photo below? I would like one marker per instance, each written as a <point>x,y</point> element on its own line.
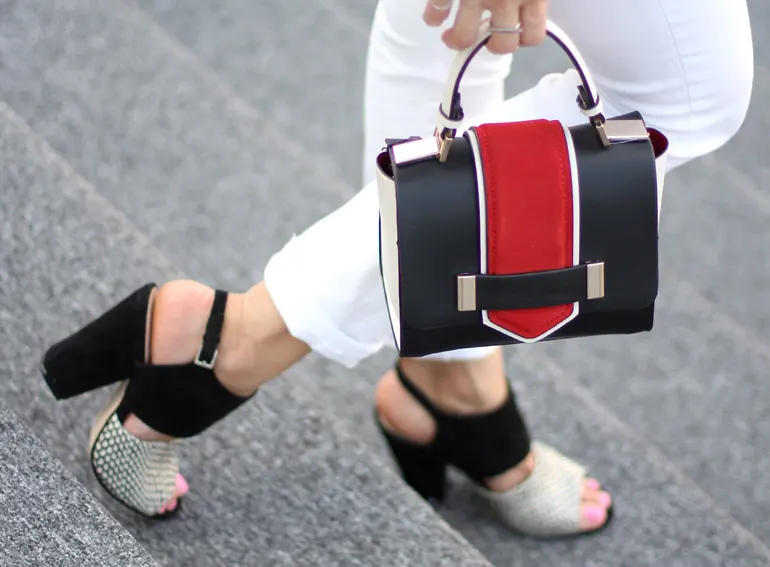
<point>687,66</point>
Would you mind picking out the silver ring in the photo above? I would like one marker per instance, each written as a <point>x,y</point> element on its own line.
<point>517,29</point>
<point>443,8</point>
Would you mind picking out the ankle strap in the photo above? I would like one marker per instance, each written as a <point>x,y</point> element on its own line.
<point>439,414</point>
<point>483,445</point>
<point>207,354</point>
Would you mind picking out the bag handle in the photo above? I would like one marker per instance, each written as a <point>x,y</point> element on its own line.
<point>450,114</point>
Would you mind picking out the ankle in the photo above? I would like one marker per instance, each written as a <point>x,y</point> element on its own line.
<point>180,314</point>
<point>265,338</point>
<point>236,361</point>
<point>460,387</point>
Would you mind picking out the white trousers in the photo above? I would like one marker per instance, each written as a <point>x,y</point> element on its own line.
<point>686,65</point>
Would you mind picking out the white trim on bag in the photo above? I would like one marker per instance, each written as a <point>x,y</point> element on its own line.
<point>386,190</point>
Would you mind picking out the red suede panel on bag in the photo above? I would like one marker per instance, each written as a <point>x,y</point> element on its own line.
<point>528,189</point>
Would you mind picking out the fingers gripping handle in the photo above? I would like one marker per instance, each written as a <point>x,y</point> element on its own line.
<point>450,114</point>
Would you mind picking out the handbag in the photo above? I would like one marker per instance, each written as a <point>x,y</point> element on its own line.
<point>520,232</point>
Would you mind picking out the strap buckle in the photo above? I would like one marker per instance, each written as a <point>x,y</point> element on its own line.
<point>208,365</point>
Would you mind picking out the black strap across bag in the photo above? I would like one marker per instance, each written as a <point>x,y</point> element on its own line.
<point>520,232</point>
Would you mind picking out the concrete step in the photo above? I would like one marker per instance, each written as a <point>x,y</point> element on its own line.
<point>49,518</point>
<point>278,483</point>
<point>219,187</point>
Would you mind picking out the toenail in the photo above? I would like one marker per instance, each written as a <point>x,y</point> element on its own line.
<point>163,509</point>
<point>172,506</point>
<point>605,499</point>
<point>592,484</point>
<point>181,485</point>
<point>594,514</point>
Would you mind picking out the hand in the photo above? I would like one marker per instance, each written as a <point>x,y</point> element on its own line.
<point>530,14</point>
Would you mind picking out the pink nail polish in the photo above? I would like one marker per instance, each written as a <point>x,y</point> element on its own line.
<point>594,514</point>
<point>182,487</point>
<point>172,506</point>
<point>605,499</point>
<point>592,484</point>
<point>163,509</point>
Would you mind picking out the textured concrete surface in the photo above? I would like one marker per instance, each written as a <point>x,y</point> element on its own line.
<point>159,135</point>
<point>48,517</point>
<point>190,124</point>
<point>276,484</point>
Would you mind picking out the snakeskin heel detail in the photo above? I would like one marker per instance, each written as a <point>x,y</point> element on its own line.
<point>547,503</point>
<point>140,474</point>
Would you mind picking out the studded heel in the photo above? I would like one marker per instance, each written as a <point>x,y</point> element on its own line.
<point>177,400</point>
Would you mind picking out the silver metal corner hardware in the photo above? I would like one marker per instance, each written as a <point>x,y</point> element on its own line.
<point>620,131</point>
<point>417,150</point>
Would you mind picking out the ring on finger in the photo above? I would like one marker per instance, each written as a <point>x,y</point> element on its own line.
<point>493,29</point>
<point>439,7</point>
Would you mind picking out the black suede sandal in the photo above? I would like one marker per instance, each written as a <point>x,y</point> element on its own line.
<point>545,505</point>
<point>177,400</point>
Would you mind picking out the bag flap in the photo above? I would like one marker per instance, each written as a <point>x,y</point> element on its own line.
<point>529,214</point>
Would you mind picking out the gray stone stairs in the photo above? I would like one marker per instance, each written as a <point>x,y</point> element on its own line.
<point>277,484</point>
<point>49,518</point>
<point>196,133</point>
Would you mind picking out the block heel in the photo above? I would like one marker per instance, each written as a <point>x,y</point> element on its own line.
<point>103,352</point>
<point>420,467</point>
<point>178,400</point>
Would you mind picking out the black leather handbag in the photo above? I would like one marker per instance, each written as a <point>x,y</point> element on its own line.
<point>520,232</point>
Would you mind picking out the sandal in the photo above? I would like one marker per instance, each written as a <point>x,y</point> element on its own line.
<point>544,505</point>
<point>178,400</point>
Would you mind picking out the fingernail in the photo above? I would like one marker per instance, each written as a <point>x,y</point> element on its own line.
<point>182,487</point>
<point>594,514</point>
<point>172,506</point>
<point>605,499</point>
<point>592,484</point>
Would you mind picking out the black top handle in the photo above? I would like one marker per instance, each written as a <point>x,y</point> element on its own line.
<point>451,115</point>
